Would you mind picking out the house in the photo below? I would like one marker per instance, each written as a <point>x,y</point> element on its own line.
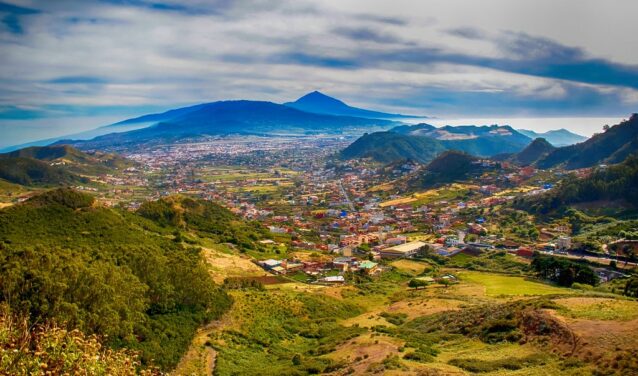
<point>564,242</point>
<point>448,252</point>
<point>525,252</point>
<point>451,241</point>
<point>334,279</point>
<point>406,250</point>
<point>607,275</point>
<point>369,267</point>
<point>269,264</point>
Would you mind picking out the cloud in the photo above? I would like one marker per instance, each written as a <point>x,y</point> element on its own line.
<point>77,57</point>
<point>367,34</point>
<point>467,33</point>
<point>11,15</point>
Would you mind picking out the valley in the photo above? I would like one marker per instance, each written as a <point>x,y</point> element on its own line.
<point>335,265</point>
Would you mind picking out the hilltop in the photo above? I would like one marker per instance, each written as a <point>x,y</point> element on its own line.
<point>449,167</point>
<point>538,149</point>
<point>67,158</point>
<point>387,147</point>
<point>28,171</point>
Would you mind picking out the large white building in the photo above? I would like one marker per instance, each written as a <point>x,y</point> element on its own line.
<point>406,250</point>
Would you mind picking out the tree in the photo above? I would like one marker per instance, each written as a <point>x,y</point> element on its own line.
<point>631,287</point>
<point>416,283</point>
<point>296,359</point>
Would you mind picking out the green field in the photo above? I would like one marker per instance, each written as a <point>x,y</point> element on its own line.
<point>497,284</point>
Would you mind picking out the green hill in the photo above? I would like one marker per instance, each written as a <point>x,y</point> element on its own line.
<point>49,153</point>
<point>484,141</point>
<point>72,159</point>
<point>114,273</point>
<point>538,149</point>
<point>387,147</point>
<point>28,171</point>
<point>423,142</point>
<point>611,146</point>
<point>448,167</point>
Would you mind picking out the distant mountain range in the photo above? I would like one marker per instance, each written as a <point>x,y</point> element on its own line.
<point>559,137</point>
<point>499,143</point>
<point>423,142</point>
<point>311,114</point>
<point>233,117</point>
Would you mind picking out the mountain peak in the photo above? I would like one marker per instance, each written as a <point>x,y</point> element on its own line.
<point>320,103</point>
<point>318,98</point>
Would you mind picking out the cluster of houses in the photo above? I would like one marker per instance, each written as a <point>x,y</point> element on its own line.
<point>322,271</point>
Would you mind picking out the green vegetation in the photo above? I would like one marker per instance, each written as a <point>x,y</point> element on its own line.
<point>387,147</point>
<point>450,166</point>
<point>599,308</point>
<point>618,182</point>
<point>206,218</point>
<point>56,165</point>
<point>108,272</point>
<point>497,261</point>
<point>481,366</point>
<point>27,171</point>
<point>49,349</point>
<point>563,271</point>
<point>533,152</point>
<point>499,284</point>
<point>288,331</point>
<point>611,146</point>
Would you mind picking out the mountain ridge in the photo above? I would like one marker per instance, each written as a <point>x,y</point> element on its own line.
<point>556,137</point>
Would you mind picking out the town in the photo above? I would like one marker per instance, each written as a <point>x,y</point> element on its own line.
<point>349,215</point>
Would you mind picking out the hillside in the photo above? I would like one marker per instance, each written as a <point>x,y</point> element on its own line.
<point>611,146</point>
<point>387,147</point>
<point>557,137</point>
<point>448,167</point>
<point>618,182</point>
<point>320,103</point>
<point>423,142</point>
<point>72,160</point>
<point>112,272</point>
<point>28,171</point>
<point>538,149</point>
<point>483,141</point>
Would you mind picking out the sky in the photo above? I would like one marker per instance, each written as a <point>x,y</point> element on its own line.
<point>70,65</point>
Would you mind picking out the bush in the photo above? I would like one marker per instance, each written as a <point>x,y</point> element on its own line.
<point>481,366</point>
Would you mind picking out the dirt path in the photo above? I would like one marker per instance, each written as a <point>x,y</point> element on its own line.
<point>200,358</point>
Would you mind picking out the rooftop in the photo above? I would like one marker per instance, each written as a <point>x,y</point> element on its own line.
<point>405,248</point>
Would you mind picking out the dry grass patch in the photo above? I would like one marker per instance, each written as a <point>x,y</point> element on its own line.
<point>224,265</point>
<point>410,266</point>
<point>598,308</point>
<point>363,351</point>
